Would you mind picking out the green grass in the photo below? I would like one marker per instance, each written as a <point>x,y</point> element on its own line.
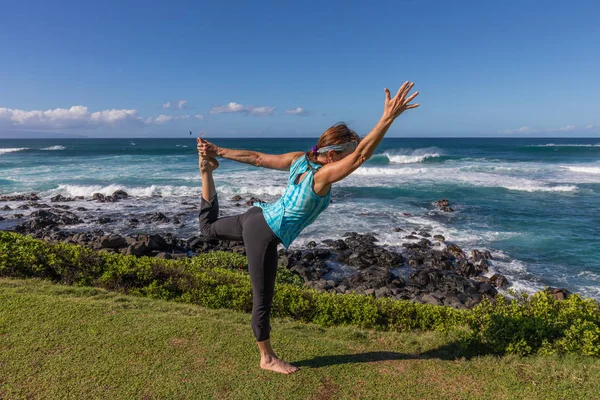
<point>80,342</point>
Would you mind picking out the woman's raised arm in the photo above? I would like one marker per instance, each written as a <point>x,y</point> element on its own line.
<point>258,159</point>
<point>393,107</point>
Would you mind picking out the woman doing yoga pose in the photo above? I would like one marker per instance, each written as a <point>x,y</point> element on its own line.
<point>338,153</point>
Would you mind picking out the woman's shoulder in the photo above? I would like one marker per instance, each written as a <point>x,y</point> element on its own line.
<point>297,162</point>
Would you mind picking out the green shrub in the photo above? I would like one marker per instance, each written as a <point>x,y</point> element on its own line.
<point>525,325</point>
<point>538,324</point>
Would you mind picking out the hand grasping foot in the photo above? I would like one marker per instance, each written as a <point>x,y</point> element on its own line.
<point>276,365</point>
<point>208,164</point>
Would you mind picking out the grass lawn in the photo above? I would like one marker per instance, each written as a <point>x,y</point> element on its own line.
<point>81,343</point>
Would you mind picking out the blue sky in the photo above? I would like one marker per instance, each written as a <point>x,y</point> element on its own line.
<point>130,69</point>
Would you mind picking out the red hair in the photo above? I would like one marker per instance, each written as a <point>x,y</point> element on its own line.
<point>337,134</point>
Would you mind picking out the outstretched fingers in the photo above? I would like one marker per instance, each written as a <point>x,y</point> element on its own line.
<point>411,97</point>
<point>412,106</point>
<point>402,88</point>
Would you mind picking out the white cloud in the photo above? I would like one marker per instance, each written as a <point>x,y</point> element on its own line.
<point>234,107</point>
<point>185,116</point>
<point>179,104</point>
<point>65,118</point>
<point>262,110</point>
<point>297,111</point>
<point>199,116</point>
<point>161,119</point>
<point>566,128</point>
<point>523,129</point>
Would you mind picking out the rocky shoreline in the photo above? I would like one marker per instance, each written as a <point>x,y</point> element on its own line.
<point>426,270</point>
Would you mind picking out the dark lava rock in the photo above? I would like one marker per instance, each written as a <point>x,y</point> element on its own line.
<point>254,200</point>
<point>486,288</point>
<point>466,268</point>
<point>371,278</point>
<point>439,238</point>
<point>558,293</point>
<point>44,219</point>
<point>499,280</point>
<point>137,249</point>
<point>477,255</point>
<point>153,242</point>
<point>60,197</point>
<point>237,197</point>
<point>98,196</point>
<point>20,197</point>
<point>158,217</point>
<point>120,194</point>
<point>430,299</point>
<point>6,208</point>
<point>455,250</point>
<point>112,242</point>
<point>444,205</point>
<point>397,229</point>
<point>103,220</point>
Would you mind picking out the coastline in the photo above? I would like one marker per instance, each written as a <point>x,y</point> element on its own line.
<point>426,269</point>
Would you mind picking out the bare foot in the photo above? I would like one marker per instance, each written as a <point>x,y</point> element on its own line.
<point>277,365</point>
<point>208,164</point>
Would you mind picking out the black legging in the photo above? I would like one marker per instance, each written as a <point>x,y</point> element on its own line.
<point>261,250</point>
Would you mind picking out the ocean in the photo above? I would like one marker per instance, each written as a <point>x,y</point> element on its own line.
<point>533,203</point>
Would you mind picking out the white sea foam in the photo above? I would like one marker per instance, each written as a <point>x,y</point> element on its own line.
<point>587,170</point>
<point>149,191</point>
<point>371,171</point>
<point>254,190</point>
<point>3,151</point>
<point>410,157</point>
<point>564,145</point>
<point>379,176</point>
<point>57,147</point>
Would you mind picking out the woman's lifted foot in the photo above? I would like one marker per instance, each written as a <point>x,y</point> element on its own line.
<point>277,365</point>
<point>208,164</point>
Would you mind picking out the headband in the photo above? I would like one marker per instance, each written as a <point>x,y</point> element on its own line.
<point>335,147</point>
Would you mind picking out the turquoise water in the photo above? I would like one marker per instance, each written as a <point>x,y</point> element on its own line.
<point>534,203</point>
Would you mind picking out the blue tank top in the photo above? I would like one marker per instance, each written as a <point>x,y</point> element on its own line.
<point>299,205</point>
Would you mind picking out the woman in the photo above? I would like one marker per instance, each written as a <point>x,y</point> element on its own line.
<point>338,153</point>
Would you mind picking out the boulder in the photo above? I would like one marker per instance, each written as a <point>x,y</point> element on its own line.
<point>443,205</point>
<point>20,197</point>
<point>112,242</point>
<point>499,280</point>
<point>60,197</point>
<point>430,299</point>
<point>253,200</point>
<point>371,278</point>
<point>558,293</point>
<point>120,194</point>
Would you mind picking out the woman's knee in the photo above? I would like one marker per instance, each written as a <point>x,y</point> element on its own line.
<point>207,231</point>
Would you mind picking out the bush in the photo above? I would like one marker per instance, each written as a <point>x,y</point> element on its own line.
<point>538,324</point>
<point>524,325</point>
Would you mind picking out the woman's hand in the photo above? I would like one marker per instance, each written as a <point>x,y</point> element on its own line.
<point>396,106</point>
<point>206,148</point>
